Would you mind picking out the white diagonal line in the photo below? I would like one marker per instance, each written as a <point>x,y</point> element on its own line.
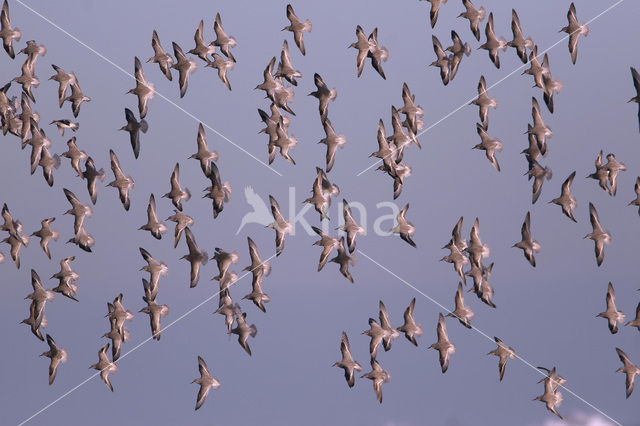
<point>541,54</point>
<point>181,317</point>
<point>484,334</point>
<point>118,67</point>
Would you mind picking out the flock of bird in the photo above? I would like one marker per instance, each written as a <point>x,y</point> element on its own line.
<point>19,119</point>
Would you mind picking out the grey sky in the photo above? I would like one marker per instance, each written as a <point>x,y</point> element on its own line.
<point>547,314</point>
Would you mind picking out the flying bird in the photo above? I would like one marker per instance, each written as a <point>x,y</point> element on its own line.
<point>204,155</point>
<point>461,312</point>
<point>122,182</point>
<point>202,49</point>
<point>566,200</point>
<point>164,60</point>
<point>636,85</point>
<point>442,60</point>
<point>612,314</point>
<point>144,89</point>
<point>347,362</point>
<point>575,30</point>
<point>206,382</point>
<point>57,355</point>
<point>134,127</point>
<point>280,225</point>
<point>629,369</point>
<point>404,228</point>
<point>344,260</point>
<point>177,194</point>
<point>7,32</point>
<point>493,44</point>
<point>505,353</point>
<point>153,225</point>
<point>223,41</point>
<point>599,236</point>
<point>443,345</point>
<point>484,102</point>
<point>104,366</point>
<point>45,233</point>
<point>297,27</point>
<point>184,66</point>
<point>324,95</point>
<point>519,43</point>
<point>489,145</point>
<point>528,245</point>
<point>378,376</point>
<point>196,257</point>
<point>410,328</point>
<point>475,16</point>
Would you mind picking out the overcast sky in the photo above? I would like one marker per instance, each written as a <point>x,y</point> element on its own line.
<point>546,314</point>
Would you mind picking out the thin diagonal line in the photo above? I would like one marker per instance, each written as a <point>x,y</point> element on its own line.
<point>190,311</point>
<point>541,54</point>
<point>484,334</point>
<point>101,56</point>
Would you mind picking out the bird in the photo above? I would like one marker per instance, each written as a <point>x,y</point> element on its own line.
<point>322,191</point>
<point>257,296</point>
<point>202,50</point>
<point>549,85</point>
<point>539,129</point>
<point>363,46</point>
<point>458,49</point>
<point>57,355</point>
<point>390,333</point>
<point>182,221</point>
<point>184,66</point>
<point>258,267</point>
<point>65,124</point>
<point>164,60</point>
<point>91,174</point>
<point>456,237</point>
<point>475,16</point>
<point>350,227</point>
<point>614,167</point>
<point>77,98</point>
<point>528,245</point>
<point>505,353</point>
<point>78,210</point>
<point>328,243</point>
<point>243,330</point>
<point>566,200</point>
<point>75,154</point>
<point>67,279</point>
<point>552,379</point>
<point>39,298</point>
<point>635,322</point>
<point>177,194</point>
<point>378,376</point>
<point>228,309</point>
<point>575,30</point>
<point>224,259</point>
<point>476,249</point>
<point>410,328</point>
<point>386,152</point>
<point>45,233</point>
<point>222,65</point>
<point>122,182</point>
<point>206,382</point>
<point>551,397</point>
<point>285,68</point>
<point>493,44</point>
<point>457,258</point>
<point>118,315</point>
<point>599,236</point>
<point>134,127</point>
<point>223,41</point>
<point>280,225</point>
<point>442,61</point>
<point>636,85</point>
<point>155,269</point>
<point>519,43</point>
<point>219,192</point>
<point>38,142</point>
<point>7,32</point>
<point>481,285</point>
<point>344,259</point>
<point>35,321</point>
<point>443,345</point>
<point>489,145</point>
<point>629,369</point>
<point>401,138</point>
<point>461,312</point>
<point>435,8</point>
<point>404,228</point>
<point>484,102</point>
<point>28,80</point>
<point>48,162</point>
<point>539,174</point>
<point>347,363</point>
<point>612,314</point>
<point>284,142</point>
<point>83,239</point>
<point>153,225</point>
<point>601,174</point>
<point>377,53</point>
<point>196,257</point>
<point>324,95</point>
<point>413,113</point>
<point>144,89</point>
<point>333,141</point>
<point>104,366</point>
<point>64,79</point>
<point>155,312</point>
<point>203,154</point>
<point>297,27</point>
<point>636,201</point>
